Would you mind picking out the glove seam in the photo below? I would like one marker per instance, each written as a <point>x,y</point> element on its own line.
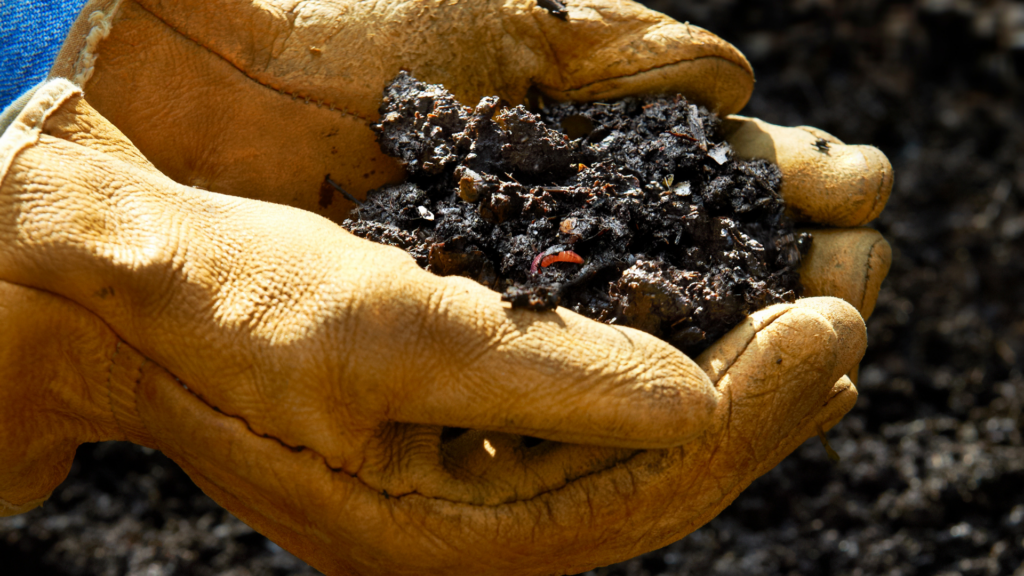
<point>85,63</point>
<point>646,70</point>
<point>27,126</point>
<point>110,387</point>
<point>875,211</point>
<point>126,366</point>
<point>869,290</point>
<point>723,372</point>
<point>306,99</point>
<point>867,277</point>
<point>383,492</point>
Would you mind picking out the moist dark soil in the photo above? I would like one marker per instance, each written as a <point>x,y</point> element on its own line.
<point>630,212</point>
<point>931,480</point>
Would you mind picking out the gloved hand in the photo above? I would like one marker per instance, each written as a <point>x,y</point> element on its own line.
<point>292,329</point>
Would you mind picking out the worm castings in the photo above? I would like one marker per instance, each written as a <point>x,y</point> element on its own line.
<point>631,212</point>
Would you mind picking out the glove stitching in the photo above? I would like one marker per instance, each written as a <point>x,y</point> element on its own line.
<point>385,493</point>
<point>721,434</point>
<point>135,393</point>
<point>867,276</point>
<point>110,388</point>
<point>872,214</point>
<point>296,96</point>
<point>85,64</point>
<point>25,131</point>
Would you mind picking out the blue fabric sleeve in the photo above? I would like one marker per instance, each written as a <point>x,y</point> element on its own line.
<point>31,34</point>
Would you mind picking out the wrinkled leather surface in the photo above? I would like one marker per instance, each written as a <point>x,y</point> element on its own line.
<point>302,377</point>
<point>263,99</point>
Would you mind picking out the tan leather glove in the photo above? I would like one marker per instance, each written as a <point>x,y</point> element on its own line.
<point>290,337</point>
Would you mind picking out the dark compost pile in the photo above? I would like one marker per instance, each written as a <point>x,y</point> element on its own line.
<point>932,469</point>
<point>630,212</point>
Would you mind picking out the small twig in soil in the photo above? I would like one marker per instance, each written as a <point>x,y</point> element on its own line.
<point>344,193</point>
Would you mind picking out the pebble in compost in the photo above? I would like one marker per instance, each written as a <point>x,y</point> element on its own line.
<point>631,212</point>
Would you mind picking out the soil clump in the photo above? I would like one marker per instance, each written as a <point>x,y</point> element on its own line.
<point>631,212</point>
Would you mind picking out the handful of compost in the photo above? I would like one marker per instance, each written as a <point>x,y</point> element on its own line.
<point>631,212</point>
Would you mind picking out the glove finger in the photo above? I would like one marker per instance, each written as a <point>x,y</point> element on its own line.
<point>847,263</point>
<point>609,50</point>
<point>821,338</point>
<point>840,399</point>
<point>784,365</point>
<point>779,374</point>
<point>467,360</point>
<point>823,180</point>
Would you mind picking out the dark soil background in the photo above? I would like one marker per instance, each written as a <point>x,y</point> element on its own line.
<point>931,479</point>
